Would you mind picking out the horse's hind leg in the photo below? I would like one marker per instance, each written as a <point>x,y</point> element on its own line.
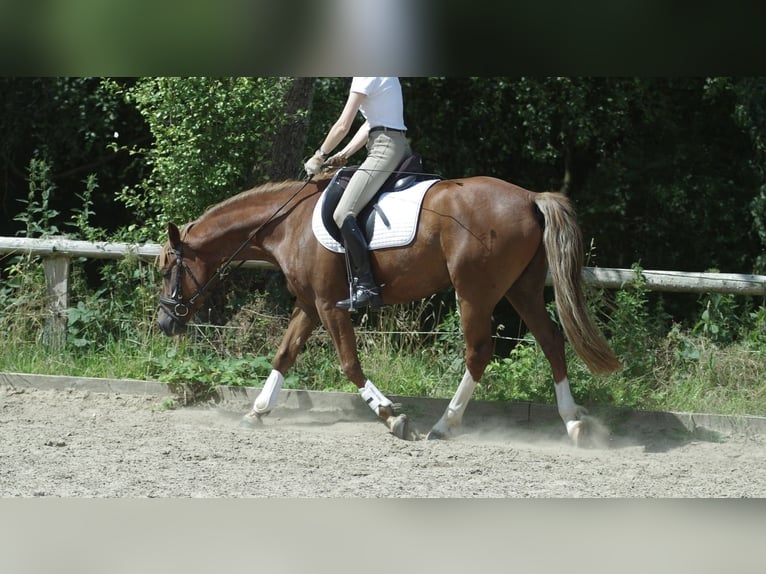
<point>477,331</point>
<point>453,416</point>
<point>527,297</point>
<point>302,323</point>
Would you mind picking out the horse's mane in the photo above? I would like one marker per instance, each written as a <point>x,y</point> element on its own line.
<point>268,187</point>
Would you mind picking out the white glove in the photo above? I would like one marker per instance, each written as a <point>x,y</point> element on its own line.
<point>314,165</point>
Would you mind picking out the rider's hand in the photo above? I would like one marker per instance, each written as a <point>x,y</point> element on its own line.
<point>338,160</point>
<point>314,165</point>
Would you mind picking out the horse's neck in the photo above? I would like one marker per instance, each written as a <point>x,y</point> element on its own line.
<point>222,231</point>
<point>232,222</point>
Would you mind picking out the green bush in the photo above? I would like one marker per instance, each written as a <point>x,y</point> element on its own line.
<point>211,136</point>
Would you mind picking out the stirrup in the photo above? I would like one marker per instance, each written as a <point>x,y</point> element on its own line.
<point>362,297</point>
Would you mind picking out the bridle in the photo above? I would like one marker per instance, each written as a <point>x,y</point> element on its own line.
<point>176,307</point>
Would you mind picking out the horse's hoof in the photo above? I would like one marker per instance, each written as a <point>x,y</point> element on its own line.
<point>577,432</point>
<point>435,434</point>
<point>252,420</point>
<point>399,426</point>
<point>589,432</point>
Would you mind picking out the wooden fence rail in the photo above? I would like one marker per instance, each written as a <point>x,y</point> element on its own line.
<point>57,253</point>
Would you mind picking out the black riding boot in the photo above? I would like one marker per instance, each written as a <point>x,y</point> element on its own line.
<point>365,292</point>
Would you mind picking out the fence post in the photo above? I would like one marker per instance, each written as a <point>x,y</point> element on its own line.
<point>57,289</point>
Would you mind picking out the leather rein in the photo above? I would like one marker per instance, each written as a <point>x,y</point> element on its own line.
<point>178,308</point>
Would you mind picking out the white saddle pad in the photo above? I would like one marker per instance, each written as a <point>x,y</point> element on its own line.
<point>401,210</point>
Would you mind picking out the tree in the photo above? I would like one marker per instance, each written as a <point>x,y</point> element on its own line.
<point>290,138</point>
<point>68,124</point>
<point>650,163</point>
<point>212,137</point>
<point>750,115</point>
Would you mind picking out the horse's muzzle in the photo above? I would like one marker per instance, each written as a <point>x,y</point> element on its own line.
<point>170,326</point>
<point>172,317</point>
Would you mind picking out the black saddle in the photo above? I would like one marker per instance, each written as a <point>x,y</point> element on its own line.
<point>409,172</point>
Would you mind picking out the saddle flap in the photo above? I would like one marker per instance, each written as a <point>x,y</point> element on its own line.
<point>409,172</point>
<point>393,217</point>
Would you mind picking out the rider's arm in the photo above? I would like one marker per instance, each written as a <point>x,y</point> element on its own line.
<point>356,143</point>
<point>343,124</point>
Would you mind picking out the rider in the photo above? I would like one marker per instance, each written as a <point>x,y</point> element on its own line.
<point>381,103</point>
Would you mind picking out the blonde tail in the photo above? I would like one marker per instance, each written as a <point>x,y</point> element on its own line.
<point>563,243</point>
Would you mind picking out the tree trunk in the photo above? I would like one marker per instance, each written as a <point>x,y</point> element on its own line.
<point>288,149</point>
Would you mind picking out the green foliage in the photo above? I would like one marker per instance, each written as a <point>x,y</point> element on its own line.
<point>317,367</point>
<point>633,327</point>
<point>680,369</point>
<point>69,124</point>
<point>38,215</point>
<point>80,321</point>
<point>209,370</point>
<point>23,292</point>
<point>329,98</point>
<point>97,316</point>
<point>749,113</point>
<point>211,136</point>
<point>650,162</point>
<point>81,216</point>
<point>755,333</point>
<point>22,301</point>
<point>718,321</point>
<point>524,375</point>
<point>699,375</point>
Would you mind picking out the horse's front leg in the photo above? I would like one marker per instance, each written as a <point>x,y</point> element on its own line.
<point>341,330</point>
<point>302,323</point>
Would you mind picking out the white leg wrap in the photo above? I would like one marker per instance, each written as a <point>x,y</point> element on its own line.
<point>566,404</point>
<point>564,399</point>
<point>459,402</point>
<point>267,399</point>
<point>453,416</point>
<point>373,397</point>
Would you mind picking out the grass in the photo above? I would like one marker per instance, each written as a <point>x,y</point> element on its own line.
<point>727,380</point>
<point>724,380</point>
<point>119,359</point>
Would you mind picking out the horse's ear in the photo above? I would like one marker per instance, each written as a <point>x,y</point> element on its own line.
<point>174,235</point>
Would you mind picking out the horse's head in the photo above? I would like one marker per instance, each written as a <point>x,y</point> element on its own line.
<point>185,276</point>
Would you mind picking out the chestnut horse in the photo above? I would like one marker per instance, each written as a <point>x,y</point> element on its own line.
<point>486,237</point>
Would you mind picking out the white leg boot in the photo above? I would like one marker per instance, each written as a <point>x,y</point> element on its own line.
<point>568,410</point>
<point>381,405</point>
<point>453,416</point>
<point>267,399</point>
<point>373,397</point>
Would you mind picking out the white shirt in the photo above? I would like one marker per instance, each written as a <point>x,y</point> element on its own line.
<point>383,105</point>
